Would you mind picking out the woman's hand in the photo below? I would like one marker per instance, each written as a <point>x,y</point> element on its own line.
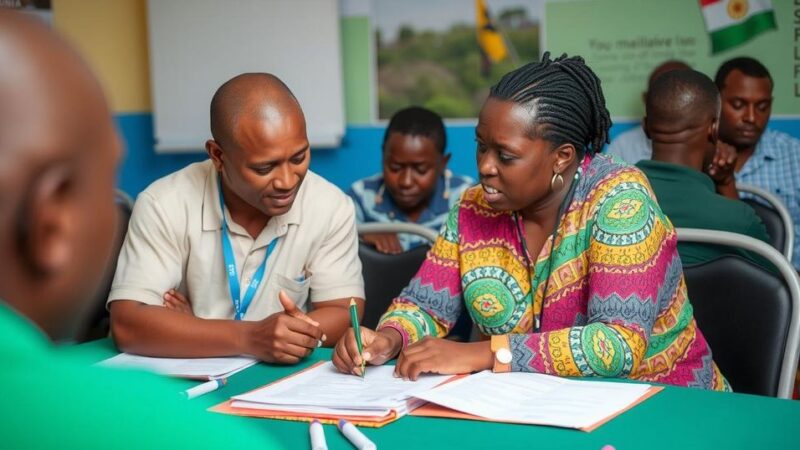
<point>436,355</point>
<point>378,347</point>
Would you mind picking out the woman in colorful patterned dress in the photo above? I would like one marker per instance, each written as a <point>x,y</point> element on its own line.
<point>562,256</point>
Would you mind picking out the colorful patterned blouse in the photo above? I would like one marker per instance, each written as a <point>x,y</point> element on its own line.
<point>616,303</point>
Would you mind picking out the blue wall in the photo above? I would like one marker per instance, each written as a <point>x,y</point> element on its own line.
<point>358,156</point>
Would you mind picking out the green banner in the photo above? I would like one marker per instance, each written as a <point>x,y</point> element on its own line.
<point>623,40</point>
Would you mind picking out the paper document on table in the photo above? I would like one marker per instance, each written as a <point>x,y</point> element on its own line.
<point>325,387</point>
<point>313,409</point>
<point>198,368</point>
<point>538,399</point>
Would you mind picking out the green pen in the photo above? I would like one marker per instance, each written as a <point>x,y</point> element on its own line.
<point>357,331</point>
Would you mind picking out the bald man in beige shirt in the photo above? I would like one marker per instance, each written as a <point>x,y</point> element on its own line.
<point>247,253</point>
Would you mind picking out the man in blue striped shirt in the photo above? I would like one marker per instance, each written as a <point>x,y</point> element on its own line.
<point>766,158</point>
<point>415,185</point>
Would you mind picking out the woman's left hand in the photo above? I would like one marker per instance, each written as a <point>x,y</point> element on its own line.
<point>436,355</point>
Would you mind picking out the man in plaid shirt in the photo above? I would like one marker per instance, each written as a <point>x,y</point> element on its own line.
<point>766,158</point>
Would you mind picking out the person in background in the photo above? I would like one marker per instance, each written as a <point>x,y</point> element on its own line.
<point>58,153</point>
<point>248,252</point>
<point>415,185</point>
<point>633,145</point>
<point>681,119</point>
<point>561,255</point>
<point>766,158</point>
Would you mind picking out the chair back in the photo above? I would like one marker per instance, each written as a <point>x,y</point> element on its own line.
<point>772,222</point>
<point>776,217</point>
<point>385,276</point>
<point>749,316</point>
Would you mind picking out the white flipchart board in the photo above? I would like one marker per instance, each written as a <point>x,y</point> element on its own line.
<point>196,45</point>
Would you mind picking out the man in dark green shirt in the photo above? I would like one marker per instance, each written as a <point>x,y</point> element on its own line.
<point>58,152</point>
<point>682,110</point>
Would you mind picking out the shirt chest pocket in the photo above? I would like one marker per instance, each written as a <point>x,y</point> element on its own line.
<point>297,289</point>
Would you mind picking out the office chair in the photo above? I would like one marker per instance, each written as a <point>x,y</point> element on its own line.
<point>386,275</point>
<point>749,316</point>
<point>772,211</point>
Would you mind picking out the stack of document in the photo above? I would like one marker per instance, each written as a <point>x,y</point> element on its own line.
<point>321,392</point>
<point>324,393</point>
<point>195,368</point>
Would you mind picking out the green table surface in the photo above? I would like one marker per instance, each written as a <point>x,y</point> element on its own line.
<point>675,418</point>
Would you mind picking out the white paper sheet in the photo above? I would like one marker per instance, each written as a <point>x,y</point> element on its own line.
<point>324,386</point>
<point>535,398</point>
<point>314,409</point>
<point>202,368</point>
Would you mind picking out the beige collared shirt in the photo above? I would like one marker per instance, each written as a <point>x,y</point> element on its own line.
<point>174,241</point>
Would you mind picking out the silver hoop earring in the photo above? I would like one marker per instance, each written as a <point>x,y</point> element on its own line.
<point>557,179</point>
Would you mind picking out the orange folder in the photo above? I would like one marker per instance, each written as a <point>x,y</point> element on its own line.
<point>361,421</point>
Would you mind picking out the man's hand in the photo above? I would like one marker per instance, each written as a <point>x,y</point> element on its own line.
<point>285,337</point>
<point>379,347</point>
<point>443,356</point>
<point>291,309</point>
<point>176,301</point>
<point>721,169</point>
<point>280,338</point>
<point>384,242</point>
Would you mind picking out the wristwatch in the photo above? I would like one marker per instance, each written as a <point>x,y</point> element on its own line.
<point>502,354</point>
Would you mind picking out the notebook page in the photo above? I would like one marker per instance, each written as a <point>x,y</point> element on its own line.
<point>317,409</point>
<point>536,398</point>
<point>208,368</point>
<point>325,386</point>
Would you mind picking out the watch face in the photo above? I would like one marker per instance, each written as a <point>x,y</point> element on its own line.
<point>503,355</point>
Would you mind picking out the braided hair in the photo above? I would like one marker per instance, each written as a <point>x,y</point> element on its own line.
<point>567,100</point>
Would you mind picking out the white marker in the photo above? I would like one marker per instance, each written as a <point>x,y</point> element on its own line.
<point>205,388</point>
<point>317,434</point>
<point>355,437</point>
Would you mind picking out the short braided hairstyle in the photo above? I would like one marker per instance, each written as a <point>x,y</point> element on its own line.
<point>565,98</point>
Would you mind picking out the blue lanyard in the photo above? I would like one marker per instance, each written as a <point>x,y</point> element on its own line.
<point>240,304</point>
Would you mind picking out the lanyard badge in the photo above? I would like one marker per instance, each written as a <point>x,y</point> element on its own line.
<point>240,304</point>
